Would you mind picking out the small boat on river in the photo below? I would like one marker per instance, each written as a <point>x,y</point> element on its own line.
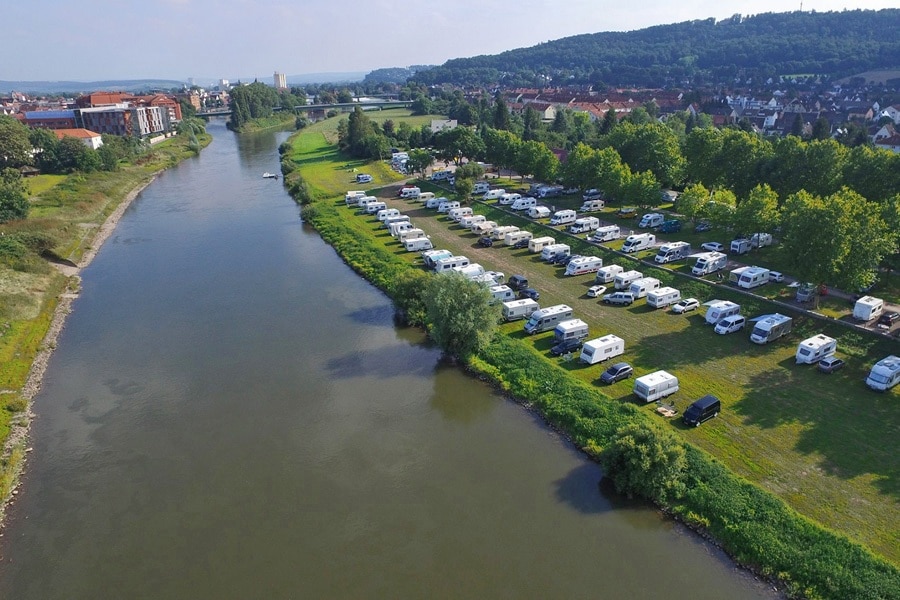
<point>268,175</point>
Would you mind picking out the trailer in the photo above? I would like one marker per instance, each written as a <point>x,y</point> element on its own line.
<point>508,198</point>
<point>812,350</point>
<point>624,279</point>
<point>519,309</point>
<point>373,207</point>
<point>446,265</point>
<point>499,233</point>
<point>663,297</point>
<point>401,218</point>
<point>387,213</point>
<point>458,213</point>
<point>643,286</point>
<point>607,233</point>
<point>602,349</point>
<point>538,212</point>
<point>885,374</point>
<point>353,196</point>
<point>719,309</point>
<point>418,244</point>
<point>430,257</point>
<point>592,205</point>
<point>655,386</point>
<point>638,241</point>
<point>397,228</point>
<point>753,277</point>
<point>484,228</point>
<point>608,273</point>
<point>524,203</point>
<point>537,244</point>
<point>502,293</point>
<point>553,250</point>
<point>709,262</point>
<point>671,252</point>
<point>514,237</point>
<point>868,308</point>
<point>410,234</point>
<point>472,271</point>
<point>470,221</point>
<point>570,329</point>
<point>548,318</point>
<point>770,327</point>
<point>584,224</point>
<point>584,264</point>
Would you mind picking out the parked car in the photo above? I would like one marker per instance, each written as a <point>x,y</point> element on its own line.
<point>830,364</point>
<point>626,212</point>
<point>888,319</point>
<point>730,324</point>
<point>702,226</point>
<point>596,290</point>
<point>625,298</point>
<point>565,260</point>
<point>617,372</point>
<point>712,247</point>
<point>521,244</point>
<point>485,242</point>
<point>686,305</point>
<point>776,276</point>
<point>529,293</point>
<point>565,347</point>
<point>517,282</point>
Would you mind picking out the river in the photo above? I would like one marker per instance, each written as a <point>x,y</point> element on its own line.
<point>231,413</point>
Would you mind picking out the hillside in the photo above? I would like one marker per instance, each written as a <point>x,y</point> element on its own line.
<point>832,44</point>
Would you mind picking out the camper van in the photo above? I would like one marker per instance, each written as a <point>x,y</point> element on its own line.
<point>387,213</point>
<point>447,205</point>
<point>702,410</point>
<point>553,250</point>
<point>493,194</point>
<point>410,192</point>
<point>410,234</point>
<point>499,233</point>
<point>481,187</point>
<point>753,277</point>
<point>584,224</point>
<point>655,386</point>
<point>672,252</point>
<point>570,329</point>
<point>812,350</point>
<point>885,374</point>
<point>663,297</point>
<point>709,262</point>
<point>868,308</point>
<point>607,233</point>
<point>519,309</point>
<point>584,264</point>
<point>549,191</point>
<point>446,265</point>
<point>548,318</point>
<point>716,310</point>
<point>514,237</point>
<point>456,214</point>
<point>769,328</point>
<point>538,244</point>
<point>592,205</point>
<point>470,221</point>
<point>601,349</point>
<point>425,196</point>
<point>643,286</point>
<point>538,212</point>
<point>508,198</point>
<point>363,178</point>
<point>624,279</point>
<point>440,175</point>
<point>373,207</point>
<point>525,203</point>
<point>430,257</point>
<point>638,241</point>
<point>502,293</point>
<point>730,324</point>
<point>608,273</point>
<point>352,197</point>
<point>563,217</point>
<point>652,220</point>
<point>418,244</point>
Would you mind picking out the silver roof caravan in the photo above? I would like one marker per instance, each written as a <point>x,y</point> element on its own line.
<point>548,318</point>
<point>655,386</point>
<point>663,297</point>
<point>719,309</point>
<point>519,309</point>
<point>602,348</point>
<point>885,374</point>
<point>812,350</point>
<point>868,308</point>
<point>769,328</point>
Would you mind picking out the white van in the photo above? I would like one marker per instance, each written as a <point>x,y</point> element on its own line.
<point>410,192</point>
<point>502,293</point>
<point>563,217</point>
<point>410,234</point>
<point>624,279</point>
<point>643,286</point>
<point>553,250</point>
<point>447,206</point>
<point>363,178</point>
<point>602,348</point>
<point>508,198</point>
<point>524,203</point>
<point>470,221</point>
<point>584,224</point>
<point>519,309</point>
<point>493,194</point>
<point>719,309</point>
<point>373,207</point>
<point>592,205</point>
<point>652,220</point>
<point>514,237</point>
<point>730,324</point>
<point>484,228</point>
<point>812,350</point>
<point>638,241</point>
<point>583,265</point>
<point>499,233</point>
<point>418,244</point>
<point>655,386</point>
<point>537,244</point>
<point>458,213</point>
<point>425,196</point>
<point>607,233</point>
<point>663,297</point>
<point>538,212</point>
<point>386,213</point>
<point>446,265</point>
<point>608,274</point>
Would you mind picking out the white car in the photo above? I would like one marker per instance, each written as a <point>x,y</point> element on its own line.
<point>730,324</point>
<point>596,291</point>
<point>776,276</point>
<point>688,304</point>
<point>712,246</point>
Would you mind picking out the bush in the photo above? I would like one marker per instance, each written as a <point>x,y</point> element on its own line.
<point>644,461</point>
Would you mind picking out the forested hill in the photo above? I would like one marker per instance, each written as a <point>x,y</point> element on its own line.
<point>831,44</point>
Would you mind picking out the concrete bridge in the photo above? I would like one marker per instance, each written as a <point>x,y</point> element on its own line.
<point>341,106</point>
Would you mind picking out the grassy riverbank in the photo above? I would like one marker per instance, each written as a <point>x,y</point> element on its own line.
<point>279,119</point>
<point>752,524</point>
<point>70,215</point>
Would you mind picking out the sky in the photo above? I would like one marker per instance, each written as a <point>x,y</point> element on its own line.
<point>91,40</point>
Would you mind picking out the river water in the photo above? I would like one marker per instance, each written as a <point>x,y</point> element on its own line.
<point>231,413</point>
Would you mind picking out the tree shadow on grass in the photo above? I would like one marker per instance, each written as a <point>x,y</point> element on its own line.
<point>672,350</point>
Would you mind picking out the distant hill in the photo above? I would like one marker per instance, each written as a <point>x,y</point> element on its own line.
<point>78,87</point>
<point>831,44</point>
<point>325,78</point>
<point>394,74</point>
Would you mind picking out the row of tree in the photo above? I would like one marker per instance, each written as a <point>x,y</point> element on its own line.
<point>258,101</point>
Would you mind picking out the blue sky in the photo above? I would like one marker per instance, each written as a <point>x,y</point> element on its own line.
<point>176,39</point>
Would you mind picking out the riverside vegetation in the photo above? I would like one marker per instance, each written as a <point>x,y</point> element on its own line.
<point>753,525</point>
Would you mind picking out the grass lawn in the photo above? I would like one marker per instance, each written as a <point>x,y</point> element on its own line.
<point>823,443</point>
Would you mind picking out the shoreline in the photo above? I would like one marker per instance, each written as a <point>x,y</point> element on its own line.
<point>20,426</point>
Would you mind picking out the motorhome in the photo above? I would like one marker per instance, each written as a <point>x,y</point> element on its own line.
<point>410,234</point>
<point>584,224</point>
<point>502,293</point>
<point>470,221</point>
<point>447,205</point>
<point>458,213</point>
<point>671,252</point>
<point>740,246</point>
<point>386,213</point>
<point>608,273</point>
<point>425,196</point>
<point>514,237</point>
<point>583,265</point>
<point>508,198</point>
<point>499,233</point>
<point>410,193</point>
<point>769,328</point>
<point>484,228</point>
<point>442,175</point>
<point>538,212</point>
<point>418,244</point>
<point>430,257</point>
<point>553,250</point>
<point>397,228</point>
<point>753,277</point>
<point>363,178</point>
<point>716,310</point>
<point>592,194</point>
<point>607,233</point>
<point>655,386</point>
<point>709,262</point>
<point>373,207</point>
<point>592,205</point>
<point>563,217</point>
<point>663,297</point>
<point>570,329</point>
<point>525,203</point>
<point>885,374</point>
<point>638,241</point>
<point>624,279</point>
<point>481,187</point>
<point>652,220</point>
<point>352,197</point>
<point>446,265</point>
<point>538,244</point>
<point>546,319</point>
<point>812,350</point>
<point>602,348</point>
<point>519,309</point>
<point>549,191</point>
<point>493,194</point>
<point>643,286</point>
<point>868,308</point>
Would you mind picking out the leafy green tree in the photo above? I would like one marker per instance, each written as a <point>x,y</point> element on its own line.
<point>458,143</point>
<point>421,105</point>
<point>692,201</point>
<point>460,317</point>
<point>13,197</point>
<point>15,147</point>
<point>758,213</point>
<point>865,236</point>
<point>501,147</point>
<point>502,119</point>
<point>650,147</point>
<point>344,96</point>
<point>743,156</point>
<point>641,189</point>
<point>532,124</point>
<point>610,120</point>
<point>419,160</point>
<point>810,237</point>
<point>470,170</point>
<point>703,150</point>
<point>645,461</point>
<point>797,126</point>
<point>560,121</point>
<point>821,129</point>
<point>463,187</point>
<point>720,208</point>
<point>580,167</point>
<point>407,290</point>
<point>534,158</point>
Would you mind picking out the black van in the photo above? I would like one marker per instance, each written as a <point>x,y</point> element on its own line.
<point>517,282</point>
<point>702,410</point>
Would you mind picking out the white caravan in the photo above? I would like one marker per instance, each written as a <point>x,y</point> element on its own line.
<point>508,198</point>
<point>493,194</point>
<point>538,212</point>
<point>638,241</point>
<point>447,205</point>
<point>624,279</point>
<point>583,265</point>
<point>363,201</point>
<point>537,244</point>
<point>386,213</point>
<point>519,309</point>
<point>410,192</point>
<point>484,228</point>
<point>885,374</point>
<point>425,196</point>
<point>481,187</point>
<point>663,297</point>
<point>353,196</point>
<point>502,293</point>
<point>373,207</point>
<point>753,277</point>
<point>868,308</point>
<point>716,310</point>
<point>812,350</point>
<point>525,203</point>
<point>592,205</point>
<point>570,329</point>
<point>769,328</point>
<point>410,234</point>
<point>671,252</point>
<point>418,244</point>
<point>709,262</point>
<point>602,348</point>
<point>608,274</point>
<point>655,386</point>
<point>456,214</point>
<point>499,233</point>
<point>643,286</point>
<point>446,265</point>
<point>514,237</point>
<point>553,250</point>
<point>652,220</point>
<point>397,228</point>
<point>546,319</point>
<point>470,221</point>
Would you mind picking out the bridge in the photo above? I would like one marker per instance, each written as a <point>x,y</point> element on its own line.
<point>342,106</point>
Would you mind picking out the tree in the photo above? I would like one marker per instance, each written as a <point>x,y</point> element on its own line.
<point>821,129</point>
<point>457,143</point>
<point>560,121</point>
<point>501,147</point>
<point>703,150</point>
<point>609,122</point>
<point>501,114</point>
<point>470,170</point>
<point>809,235</point>
<point>650,147</point>
<point>797,126</point>
<point>759,212</point>
<point>644,461</point>
<point>419,160</point>
<point>421,105</point>
<point>13,198</point>
<point>720,208</point>
<point>464,187</point>
<point>407,290</point>
<point>532,122</point>
<point>641,189</point>
<point>460,317</point>
<point>534,158</point>
<point>345,96</point>
<point>15,147</point>
<point>692,201</point>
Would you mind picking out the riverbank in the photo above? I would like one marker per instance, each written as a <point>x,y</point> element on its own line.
<point>38,336</point>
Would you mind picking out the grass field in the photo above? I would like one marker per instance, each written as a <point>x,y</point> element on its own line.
<point>823,443</point>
